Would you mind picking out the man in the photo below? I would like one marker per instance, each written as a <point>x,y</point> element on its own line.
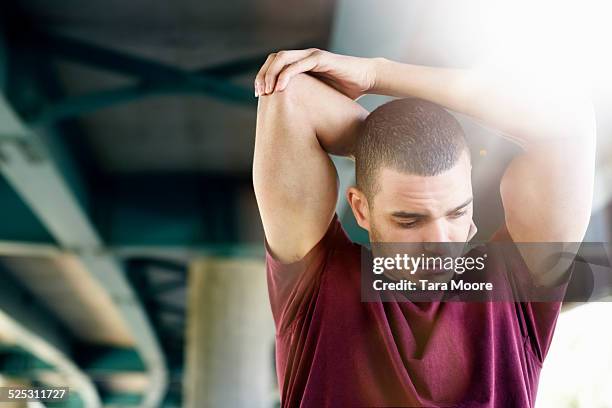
<point>413,185</point>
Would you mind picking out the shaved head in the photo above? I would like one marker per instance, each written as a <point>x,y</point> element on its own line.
<point>411,136</point>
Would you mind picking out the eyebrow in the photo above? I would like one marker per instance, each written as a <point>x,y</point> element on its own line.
<point>465,204</point>
<point>404,214</point>
<point>413,215</point>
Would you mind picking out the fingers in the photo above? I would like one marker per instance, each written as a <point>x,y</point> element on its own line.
<point>268,76</point>
<point>304,65</point>
<point>282,59</point>
<point>260,84</point>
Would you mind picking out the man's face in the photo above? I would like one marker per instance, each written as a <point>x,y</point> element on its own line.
<point>410,208</point>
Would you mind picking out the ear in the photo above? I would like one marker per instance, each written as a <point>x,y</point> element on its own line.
<point>359,204</point>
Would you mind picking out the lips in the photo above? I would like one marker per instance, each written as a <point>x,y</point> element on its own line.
<point>433,271</point>
<point>437,271</point>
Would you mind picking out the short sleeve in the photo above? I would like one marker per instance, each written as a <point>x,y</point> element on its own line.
<point>292,287</point>
<point>537,320</point>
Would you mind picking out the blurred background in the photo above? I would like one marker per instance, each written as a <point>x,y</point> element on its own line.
<point>131,251</point>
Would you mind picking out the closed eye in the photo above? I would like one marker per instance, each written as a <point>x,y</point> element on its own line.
<point>408,225</point>
<point>458,214</point>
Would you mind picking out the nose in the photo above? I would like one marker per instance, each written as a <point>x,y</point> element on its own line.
<point>436,231</point>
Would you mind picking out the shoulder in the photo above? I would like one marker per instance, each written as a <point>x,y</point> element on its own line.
<point>293,286</point>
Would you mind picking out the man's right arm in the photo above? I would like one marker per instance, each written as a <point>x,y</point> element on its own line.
<point>294,179</point>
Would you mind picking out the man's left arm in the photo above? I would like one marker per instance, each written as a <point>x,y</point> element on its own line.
<point>547,189</point>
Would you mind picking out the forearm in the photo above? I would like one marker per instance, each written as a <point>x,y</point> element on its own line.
<point>529,110</point>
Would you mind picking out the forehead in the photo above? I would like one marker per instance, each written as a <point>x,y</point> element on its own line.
<point>408,192</point>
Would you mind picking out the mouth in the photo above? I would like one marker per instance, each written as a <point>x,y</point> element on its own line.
<point>434,271</point>
<point>435,275</point>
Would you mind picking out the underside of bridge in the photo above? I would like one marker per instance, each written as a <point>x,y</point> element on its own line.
<point>126,142</point>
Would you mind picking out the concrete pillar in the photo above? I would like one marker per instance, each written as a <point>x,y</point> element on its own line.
<point>230,336</point>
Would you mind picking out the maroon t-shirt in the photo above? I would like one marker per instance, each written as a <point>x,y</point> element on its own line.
<point>333,350</point>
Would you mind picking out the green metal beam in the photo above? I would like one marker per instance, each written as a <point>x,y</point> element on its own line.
<point>110,360</point>
<point>166,287</point>
<point>122,399</point>
<point>171,332</point>
<point>42,343</point>
<point>193,210</point>
<point>99,57</point>
<point>29,90</point>
<point>3,62</point>
<point>19,223</point>
<point>188,251</point>
<point>153,78</point>
<point>178,269</point>
<point>75,106</point>
<point>32,316</point>
<point>21,364</point>
<point>12,128</point>
<point>41,184</point>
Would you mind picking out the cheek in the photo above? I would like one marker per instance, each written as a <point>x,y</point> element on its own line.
<point>380,230</point>
<point>460,229</point>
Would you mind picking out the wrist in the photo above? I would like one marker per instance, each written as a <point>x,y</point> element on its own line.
<point>379,69</point>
